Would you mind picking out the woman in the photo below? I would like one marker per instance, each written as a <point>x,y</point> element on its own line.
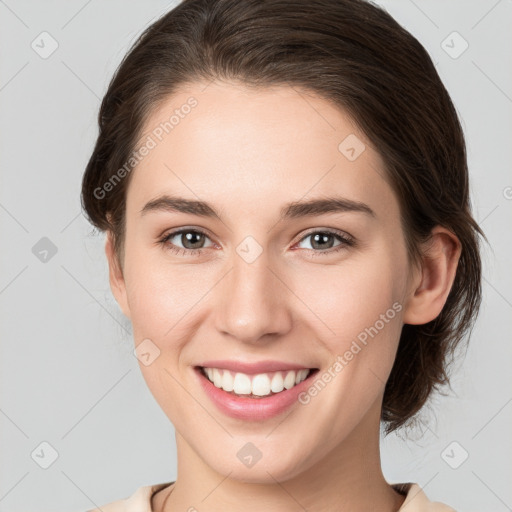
<point>236,138</point>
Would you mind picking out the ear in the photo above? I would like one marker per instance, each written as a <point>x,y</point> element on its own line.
<point>431,285</point>
<point>116,278</point>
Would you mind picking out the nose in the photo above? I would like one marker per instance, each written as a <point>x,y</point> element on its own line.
<point>253,302</point>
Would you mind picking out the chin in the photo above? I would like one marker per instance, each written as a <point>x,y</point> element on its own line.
<point>259,463</point>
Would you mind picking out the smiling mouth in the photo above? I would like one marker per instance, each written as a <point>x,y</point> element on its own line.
<point>260,385</point>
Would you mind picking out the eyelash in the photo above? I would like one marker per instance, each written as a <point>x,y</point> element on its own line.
<point>345,240</point>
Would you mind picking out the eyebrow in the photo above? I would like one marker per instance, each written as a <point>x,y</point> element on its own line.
<point>291,210</point>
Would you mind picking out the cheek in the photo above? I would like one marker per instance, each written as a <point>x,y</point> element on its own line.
<point>162,299</point>
<point>360,302</point>
<point>352,296</point>
<point>160,295</point>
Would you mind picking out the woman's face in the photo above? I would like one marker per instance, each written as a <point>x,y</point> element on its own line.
<point>269,282</point>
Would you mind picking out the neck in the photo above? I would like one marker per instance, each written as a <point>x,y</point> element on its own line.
<point>348,478</point>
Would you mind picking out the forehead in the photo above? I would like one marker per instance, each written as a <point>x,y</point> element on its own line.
<point>240,145</point>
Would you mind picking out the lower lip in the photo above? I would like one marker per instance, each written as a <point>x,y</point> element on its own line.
<point>253,409</point>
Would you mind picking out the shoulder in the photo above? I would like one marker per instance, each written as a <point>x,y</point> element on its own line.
<point>417,501</point>
<point>139,501</point>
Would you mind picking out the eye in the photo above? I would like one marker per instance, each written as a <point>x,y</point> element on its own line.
<point>192,240</point>
<point>322,241</point>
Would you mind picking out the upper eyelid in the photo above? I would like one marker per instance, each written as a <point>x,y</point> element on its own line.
<point>344,237</point>
<point>332,231</point>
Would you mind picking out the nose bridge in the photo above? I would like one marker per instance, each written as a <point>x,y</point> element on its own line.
<point>253,300</point>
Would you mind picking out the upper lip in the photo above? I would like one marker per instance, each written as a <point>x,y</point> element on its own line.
<point>253,368</point>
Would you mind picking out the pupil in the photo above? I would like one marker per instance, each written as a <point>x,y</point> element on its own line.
<point>322,237</point>
<point>189,236</point>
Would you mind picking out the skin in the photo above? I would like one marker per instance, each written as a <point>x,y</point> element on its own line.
<point>248,152</point>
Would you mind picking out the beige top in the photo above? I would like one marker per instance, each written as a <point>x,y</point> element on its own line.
<point>140,501</point>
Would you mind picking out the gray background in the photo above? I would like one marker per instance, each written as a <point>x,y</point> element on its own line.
<point>68,375</point>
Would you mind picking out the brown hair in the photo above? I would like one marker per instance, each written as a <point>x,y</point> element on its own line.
<point>354,54</point>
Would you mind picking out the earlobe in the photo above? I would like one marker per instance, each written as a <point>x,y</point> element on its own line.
<point>116,277</point>
<point>429,291</point>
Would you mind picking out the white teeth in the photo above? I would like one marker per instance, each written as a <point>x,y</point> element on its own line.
<point>242,384</point>
<point>217,378</point>
<point>262,384</point>
<point>227,381</point>
<point>289,380</point>
<point>277,383</point>
<point>301,375</point>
